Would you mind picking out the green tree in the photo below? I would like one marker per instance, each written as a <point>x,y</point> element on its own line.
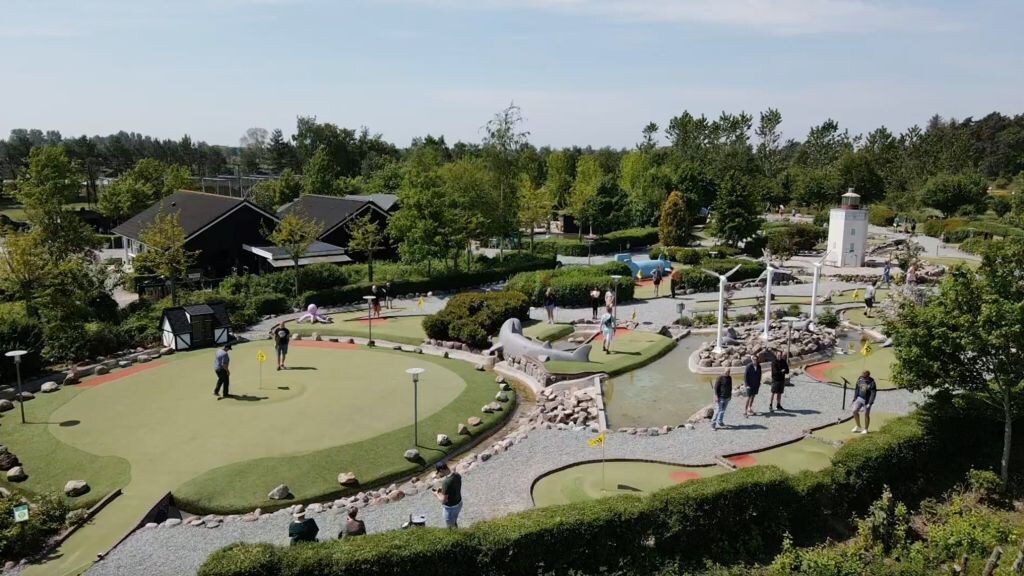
<point>366,238</point>
<point>426,228</point>
<point>272,194</point>
<point>769,147</point>
<point>640,179</point>
<point>25,270</point>
<point>503,140</point>
<point>649,140</point>
<point>126,197</point>
<point>176,177</point>
<point>674,226</point>
<point>857,170</point>
<point>50,182</point>
<point>254,149</point>
<point>969,337</point>
<point>319,174</point>
<point>165,253</point>
<point>948,193</point>
<point>583,200</point>
<point>735,212</point>
<point>295,233</point>
<point>536,206</point>
<point>281,154</point>
<point>561,168</point>
<point>467,189</point>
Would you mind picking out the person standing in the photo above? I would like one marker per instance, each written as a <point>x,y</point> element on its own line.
<point>863,398</point>
<point>282,335</point>
<point>609,299</point>
<point>302,529</point>
<point>752,381</point>
<point>549,304</point>
<point>780,368</point>
<point>869,300</point>
<point>375,303</point>
<point>353,526</point>
<point>723,393</point>
<point>607,330</point>
<point>449,494</point>
<point>387,294</point>
<point>912,275</point>
<point>595,302</point>
<point>673,281</point>
<point>222,367</point>
<point>887,274</point>
<point>656,277</point>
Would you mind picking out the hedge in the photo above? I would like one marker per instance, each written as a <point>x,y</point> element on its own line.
<point>610,243</point>
<point>572,286</point>
<point>691,256</point>
<point>881,215</point>
<point>471,317</point>
<point>696,279</point>
<point>740,517</point>
<point>788,239</point>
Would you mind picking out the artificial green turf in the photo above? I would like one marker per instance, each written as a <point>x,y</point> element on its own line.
<point>397,329</point>
<point>584,481</point>
<point>49,462</point>
<point>805,454</point>
<point>951,261</point>
<point>857,316</point>
<point>842,432</point>
<point>629,352</point>
<point>312,476</point>
<point>548,332</point>
<point>879,363</point>
<point>712,305</point>
<point>846,297</point>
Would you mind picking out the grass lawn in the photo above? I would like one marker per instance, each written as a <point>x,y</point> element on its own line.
<point>397,329</point>
<point>712,305</point>
<point>805,454</point>
<point>630,350</point>
<point>841,432</point>
<point>547,332</point>
<point>856,315</point>
<point>584,482</point>
<point>16,212</point>
<point>951,261</point>
<point>49,462</point>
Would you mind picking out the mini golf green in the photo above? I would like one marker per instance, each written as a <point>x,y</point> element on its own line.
<point>547,332</point>
<point>390,327</point>
<point>712,305</point>
<point>338,408</point>
<point>846,296</point>
<point>951,261</point>
<point>850,366</point>
<point>842,432</point>
<point>804,454</point>
<point>858,316</point>
<point>630,350</point>
<point>583,482</point>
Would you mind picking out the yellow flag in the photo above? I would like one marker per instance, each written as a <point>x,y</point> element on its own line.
<point>866,350</point>
<point>856,294</point>
<point>639,274</point>
<point>261,357</point>
<point>421,303</point>
<point>596,441</point>
<point>633,316</point>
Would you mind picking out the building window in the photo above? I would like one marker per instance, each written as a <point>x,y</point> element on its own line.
<point>851,247</point>
<point>853,231</point>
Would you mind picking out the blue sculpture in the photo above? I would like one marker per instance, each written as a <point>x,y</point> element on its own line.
<point>645,268</point>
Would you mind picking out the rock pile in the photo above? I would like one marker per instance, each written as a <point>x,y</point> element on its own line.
<point>749,342</point>
<point>530,367</point>
<point>576,409</point>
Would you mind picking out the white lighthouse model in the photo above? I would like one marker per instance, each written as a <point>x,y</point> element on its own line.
<point>847,232</point>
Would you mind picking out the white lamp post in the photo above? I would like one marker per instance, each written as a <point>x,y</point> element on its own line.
<point>615,304</point>
<point>369,317</point>
<point>16,355</point>
<point>589,239</point>
<point>722,281</point>
<point>415,373</point>
<point>814,286</point>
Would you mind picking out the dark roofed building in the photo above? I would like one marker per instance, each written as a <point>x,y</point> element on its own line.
<point>336,213</point>
<point>275,257</point>
<point>196,326</point>
<point>215,226</point>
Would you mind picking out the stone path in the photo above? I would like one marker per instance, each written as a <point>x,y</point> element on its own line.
<point>502,485</point>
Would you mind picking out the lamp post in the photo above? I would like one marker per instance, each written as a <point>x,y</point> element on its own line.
<point>589,239</point>
<point>16,355</point>
<point>415,373</point>
<point>615,304</point>
<point>369,318</point>
<point>814,286</point>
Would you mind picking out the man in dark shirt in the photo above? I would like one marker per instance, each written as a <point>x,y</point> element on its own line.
<point>780,368</point>
<point>282,335</point>
<point>449,494</point>
<point>752,381</point>
<point>302,529</point>
<point>723,393</point>
<point>222,367</point>
<point>863,398</point>
<point>353,526</point>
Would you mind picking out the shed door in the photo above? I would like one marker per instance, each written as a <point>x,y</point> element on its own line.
<point>202,330</point>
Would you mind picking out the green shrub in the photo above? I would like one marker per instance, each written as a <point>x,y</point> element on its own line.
<point>471,317</point>
<point>974,245</point>
<point>610,243</point>
<point>789,239</point>
<point>572,286</point>
<point>46,519</point>
<point>17,332</point>
<point>881,215</point>
<point>827,318</point>
<point>630,239</point>
<point>243,560</point>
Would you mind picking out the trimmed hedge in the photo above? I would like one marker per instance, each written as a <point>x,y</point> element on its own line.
<point>789,239</point>
<point>610,243</point>
<point>572,286</point>
<point>695,278</point>
<point>472,317</point>
<point>691,256</point>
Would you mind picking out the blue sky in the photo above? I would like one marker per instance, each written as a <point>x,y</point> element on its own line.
<point>584,71</point>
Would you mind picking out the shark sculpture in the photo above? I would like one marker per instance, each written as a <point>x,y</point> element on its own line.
<point>515,344</point>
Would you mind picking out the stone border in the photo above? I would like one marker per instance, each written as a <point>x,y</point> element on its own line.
<point>798,361</point>
<point>89,514</point>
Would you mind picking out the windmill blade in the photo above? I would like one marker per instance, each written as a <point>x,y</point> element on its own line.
<point>715,274</point>
<point>823,257</point>
<point>730,272</point>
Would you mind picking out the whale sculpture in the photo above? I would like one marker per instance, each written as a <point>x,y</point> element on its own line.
<point>644,268</point>
<point>515,344</point>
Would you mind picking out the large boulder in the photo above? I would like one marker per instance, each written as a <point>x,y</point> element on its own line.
<point>443,440</point>
<point>16,474</point>
<point>7,459</point>
<point>412,454</point>
<point>26,395</point>
<point>6,405</point>
<point>75,488</point>
<point>347,479</point>
<point>100,370</point>
<point>474,421</point>
<point>280,493</point>
<point>48,387</point>
<point>463,429</point>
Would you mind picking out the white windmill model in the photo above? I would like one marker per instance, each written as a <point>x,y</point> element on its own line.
<point>814,285</point>
<point>723,279</point>
<point>769,271</point>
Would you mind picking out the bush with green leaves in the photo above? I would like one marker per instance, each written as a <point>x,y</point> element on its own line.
<point>47,514</point>
<point>572,286</point>
<point>471,317</point>
<point>610,243</point>
<point>881,215</point>
<point>790,239</point>
<point>827,318</point>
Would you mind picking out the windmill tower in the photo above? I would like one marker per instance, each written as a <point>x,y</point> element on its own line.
<point>847,232</point>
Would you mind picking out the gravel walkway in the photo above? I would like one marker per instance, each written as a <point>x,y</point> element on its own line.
<point>502,484</point>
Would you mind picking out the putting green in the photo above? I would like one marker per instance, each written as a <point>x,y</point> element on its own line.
<point>339,408</point>
<point>842,432</point>
<point>857,316</point>
<point>846,296</point>
<point>712,305</point>
<point>397,329</point>
<point>951,261</point>
<point>547,332</point>
<point>630,350</point>
<point>805,454</point>
<point>879,363</point>
<point>584,482</point>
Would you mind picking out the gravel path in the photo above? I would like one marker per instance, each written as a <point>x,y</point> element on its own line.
<point>502,484</point>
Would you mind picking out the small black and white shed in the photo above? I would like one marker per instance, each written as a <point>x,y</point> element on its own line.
<point>196,326</point>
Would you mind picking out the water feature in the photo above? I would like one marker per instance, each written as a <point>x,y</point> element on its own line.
<point>664,392</point>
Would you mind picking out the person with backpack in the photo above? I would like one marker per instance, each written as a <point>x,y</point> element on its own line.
<point>656,277</point>
<point>863,398</point>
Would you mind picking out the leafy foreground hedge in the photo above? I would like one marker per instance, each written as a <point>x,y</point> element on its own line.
<point>47,514</point>
<point>572,286</point>
<point>740,517</point>
<point>471,317</point>
<point>610,243</point>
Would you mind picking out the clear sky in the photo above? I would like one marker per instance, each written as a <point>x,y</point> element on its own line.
<point>583,71</point>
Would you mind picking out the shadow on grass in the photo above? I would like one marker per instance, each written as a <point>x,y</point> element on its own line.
<point>247,398</point>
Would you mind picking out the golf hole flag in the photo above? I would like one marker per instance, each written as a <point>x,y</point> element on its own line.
<point>261,357</point>
<point>866,349</point>
<point>421,303</point>
<point>856,294</point>
<point>596,441</point>
<point>21,513</point>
